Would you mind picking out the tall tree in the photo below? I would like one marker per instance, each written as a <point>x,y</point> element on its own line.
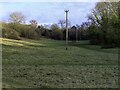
<point>17,17</point>
<point>105,19</point>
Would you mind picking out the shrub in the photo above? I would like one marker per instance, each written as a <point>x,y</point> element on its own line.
<point>10,33</point>
<point>56,32</point>
<point>26,31</point>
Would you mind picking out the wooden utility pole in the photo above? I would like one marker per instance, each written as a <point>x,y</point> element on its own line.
<point>66,11</point>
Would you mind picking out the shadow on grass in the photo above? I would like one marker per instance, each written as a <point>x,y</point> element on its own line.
<point>85,44</point>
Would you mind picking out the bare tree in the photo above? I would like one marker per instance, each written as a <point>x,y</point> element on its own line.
<point>62,23</point>
<point>17,17</point>
<point>33,23</point>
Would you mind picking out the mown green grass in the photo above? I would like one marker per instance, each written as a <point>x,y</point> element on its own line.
<point>46,63</point>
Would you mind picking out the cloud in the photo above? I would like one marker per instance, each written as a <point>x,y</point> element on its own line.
<point>50,12</point>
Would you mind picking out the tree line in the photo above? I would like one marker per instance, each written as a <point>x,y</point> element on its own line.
<point>102,27</point>
<point>17,28</point>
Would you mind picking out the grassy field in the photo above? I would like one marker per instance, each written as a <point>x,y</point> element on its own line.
<point>46,64</point>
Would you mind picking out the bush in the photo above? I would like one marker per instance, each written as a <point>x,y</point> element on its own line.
<point>29,32</point>
<point>72,34</point>
<point>38,31</point>
<point>26,31</point>
<point>10,33</point>
<point>56,32</point>
<point>96,36</point>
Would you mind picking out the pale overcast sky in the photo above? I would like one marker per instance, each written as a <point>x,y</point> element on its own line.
<point>48,12</point>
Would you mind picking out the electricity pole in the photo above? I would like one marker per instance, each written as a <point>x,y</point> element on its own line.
<point>66,11</point>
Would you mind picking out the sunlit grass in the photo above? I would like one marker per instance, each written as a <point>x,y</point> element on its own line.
<point>17,42</point>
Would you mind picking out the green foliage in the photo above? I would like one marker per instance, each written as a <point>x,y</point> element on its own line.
<point>29,32</point>
<point>95,35</point>
<point>15,31</point>
<point>48,33</point>
<point>72,33</point>
<point>26,31</point>
<point>56,32</point>
<point>43,31</point>
<point>8,32</point>
<point>38,31</point>
<point>105,20</point>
